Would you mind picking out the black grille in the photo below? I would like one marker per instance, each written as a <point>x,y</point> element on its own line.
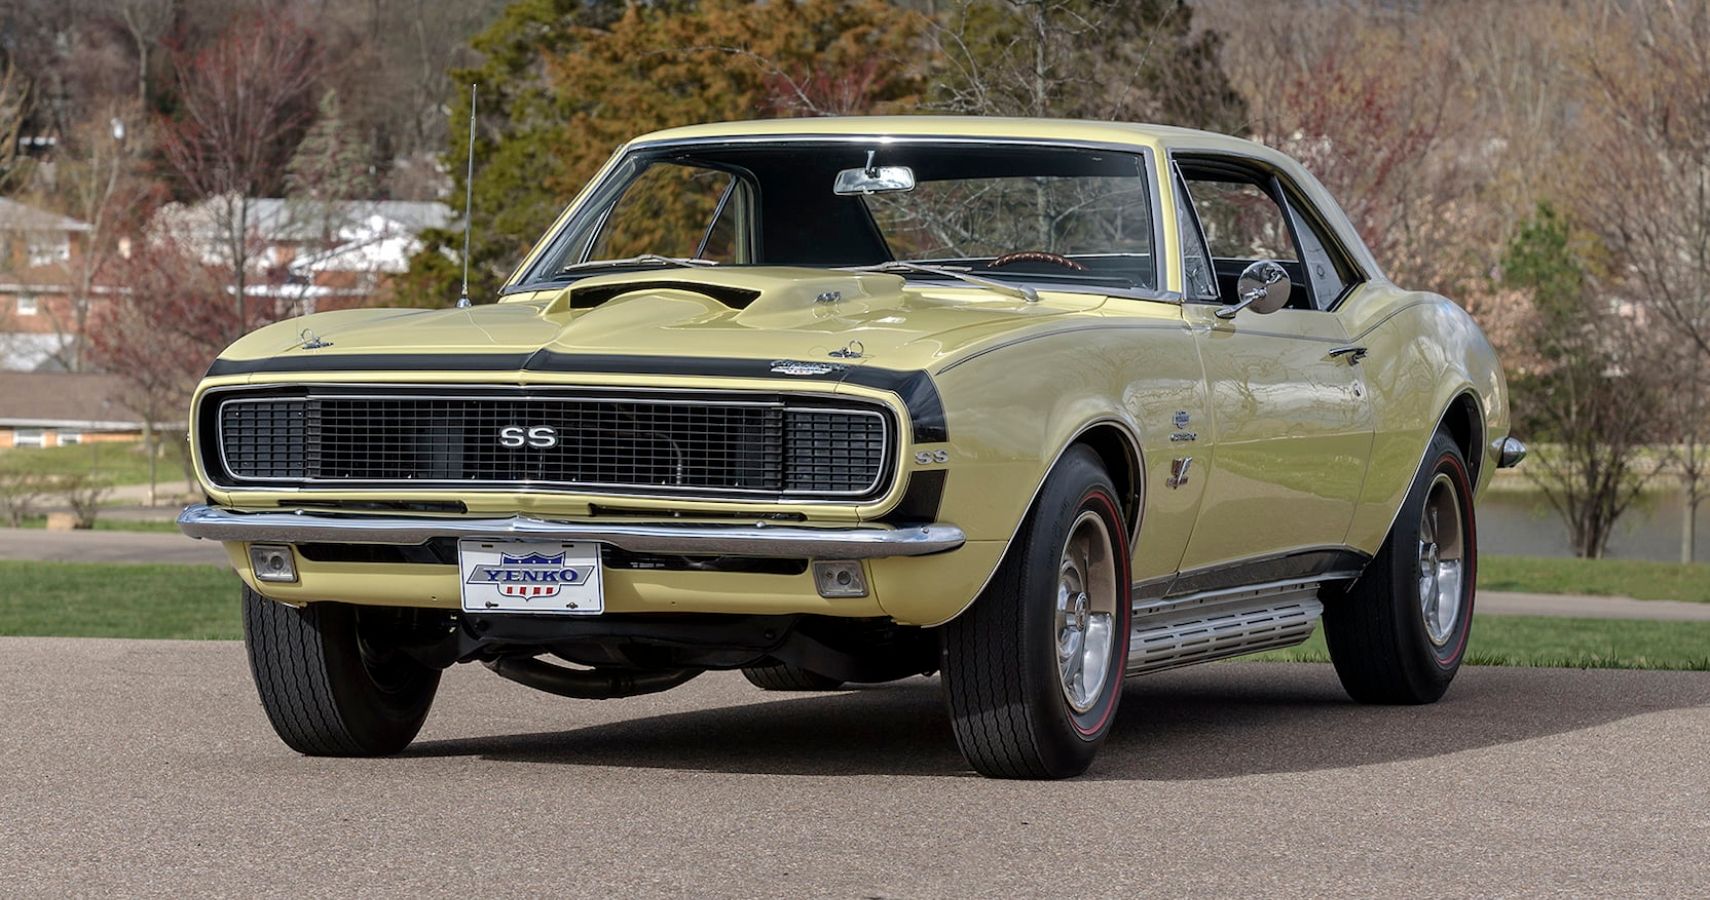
<point>828,450</point>
<point>264,439</point>
<point>715,447</point>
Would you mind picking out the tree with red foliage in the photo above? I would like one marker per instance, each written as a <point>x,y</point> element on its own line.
<point>243,102</point>
<point>161,334</point>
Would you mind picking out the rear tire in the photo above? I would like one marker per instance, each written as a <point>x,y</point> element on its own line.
<point>785,677</point>
<point>330,681</point>
<point>1400,632</point>
<point>1033,670</point>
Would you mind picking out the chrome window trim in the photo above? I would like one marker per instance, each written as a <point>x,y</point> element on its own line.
<point>887,420</point>
<point>1291,189</point>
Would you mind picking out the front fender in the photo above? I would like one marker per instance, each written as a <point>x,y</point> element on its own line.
<point>1012,412</point>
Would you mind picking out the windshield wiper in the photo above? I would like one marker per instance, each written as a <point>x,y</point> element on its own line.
<point>645,259</point>
<point>896,266</point>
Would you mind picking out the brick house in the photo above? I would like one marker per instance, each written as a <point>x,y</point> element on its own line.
<point>58,409</point>
<point>39,254</point>
<point>314,256</point>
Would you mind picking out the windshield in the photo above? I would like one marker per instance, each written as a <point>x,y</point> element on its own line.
<point>1039,214</point>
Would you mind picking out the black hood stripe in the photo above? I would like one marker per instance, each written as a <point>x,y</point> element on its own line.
<point>918,393</point>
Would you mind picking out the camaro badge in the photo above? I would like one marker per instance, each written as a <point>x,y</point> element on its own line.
<point>530,575</point>
<point>799,367</point>
<point>1179,471</point>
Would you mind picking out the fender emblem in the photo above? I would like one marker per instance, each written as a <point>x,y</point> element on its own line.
<point>1179,471</point>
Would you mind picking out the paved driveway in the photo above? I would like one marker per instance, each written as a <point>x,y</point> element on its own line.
<point>135,767</point>
<point>108,546</point>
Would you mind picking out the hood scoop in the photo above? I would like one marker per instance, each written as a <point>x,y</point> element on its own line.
<point>592,295</point>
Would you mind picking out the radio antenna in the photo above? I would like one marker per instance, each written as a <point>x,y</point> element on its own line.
<point>468,201</point>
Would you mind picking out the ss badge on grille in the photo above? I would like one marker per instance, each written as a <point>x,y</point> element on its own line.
<point>539,437</point>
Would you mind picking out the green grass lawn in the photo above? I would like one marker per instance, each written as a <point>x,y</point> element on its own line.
<point>173,601</point>
<point>1564,642</point>
<point>1610,577</point>
<point>109,524</point>
<point>116,462</point>
<point>118,600</point>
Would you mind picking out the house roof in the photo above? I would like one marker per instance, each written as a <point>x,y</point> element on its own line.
<point>15,216</point>
<point>64,400</point>
<point>291,220</point>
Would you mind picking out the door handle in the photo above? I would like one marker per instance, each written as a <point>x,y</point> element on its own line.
<point>1354,354</point>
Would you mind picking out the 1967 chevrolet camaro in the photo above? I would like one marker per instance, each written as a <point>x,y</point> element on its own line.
<point>1032,404</point>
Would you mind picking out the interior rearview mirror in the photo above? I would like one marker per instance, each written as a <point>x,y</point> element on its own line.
<point>1263,286</point>
<point>872,179</point>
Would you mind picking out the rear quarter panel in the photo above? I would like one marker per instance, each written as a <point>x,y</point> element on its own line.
<point>1423,352</point>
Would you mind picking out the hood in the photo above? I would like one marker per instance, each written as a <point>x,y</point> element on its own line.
<point>751,313</point>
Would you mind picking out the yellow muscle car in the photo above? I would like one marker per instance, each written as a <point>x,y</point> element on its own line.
<point>1031,404</point>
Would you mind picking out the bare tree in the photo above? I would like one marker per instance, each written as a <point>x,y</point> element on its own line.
<point>1133,60</point>
<point>160,335</point>
<point>1592,398</point>
<point>1649,199</point>
<point>242,105</point>
<point>145,22</point>
<point>14,107</point>
<point>95,182</point>
<point>1686,452</point>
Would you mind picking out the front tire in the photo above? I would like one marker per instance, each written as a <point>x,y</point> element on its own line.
<point>1033,670</point>
<point>1400,632</point>
<point>331,680</point>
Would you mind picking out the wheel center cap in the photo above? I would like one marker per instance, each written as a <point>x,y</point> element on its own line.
<point>1081,606</point>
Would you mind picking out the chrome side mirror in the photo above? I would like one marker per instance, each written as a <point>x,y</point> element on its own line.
<point>1264,286</point>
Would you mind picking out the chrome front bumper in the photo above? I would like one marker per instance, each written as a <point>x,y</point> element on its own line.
<point>717,539</point>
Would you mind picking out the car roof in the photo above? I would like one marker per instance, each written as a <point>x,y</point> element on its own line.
<point>1082,130</point>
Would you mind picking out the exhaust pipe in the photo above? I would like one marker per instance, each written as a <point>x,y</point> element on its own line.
<point>588,684</point>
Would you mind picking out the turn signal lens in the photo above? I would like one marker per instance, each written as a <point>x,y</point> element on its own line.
<point>273,563</point>
<point>839,578</point>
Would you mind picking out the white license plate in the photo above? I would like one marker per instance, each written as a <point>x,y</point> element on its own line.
<point>548,577</point>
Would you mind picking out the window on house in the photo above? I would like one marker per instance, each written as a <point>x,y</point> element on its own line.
<point>27,437</point>
<point>47,248</point>
<point>67,438</point>
<point>28,305</point>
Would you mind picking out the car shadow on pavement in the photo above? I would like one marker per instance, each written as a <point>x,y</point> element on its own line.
<point>1215,721</point>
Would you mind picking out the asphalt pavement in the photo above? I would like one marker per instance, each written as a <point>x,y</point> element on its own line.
<point>147,768</point>
<point>109,546</point>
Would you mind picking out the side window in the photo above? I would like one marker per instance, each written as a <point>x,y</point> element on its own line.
<point>1199,282</point>
<point>1321,269</point>
<point>1241,221</point>
<point>670,210</point>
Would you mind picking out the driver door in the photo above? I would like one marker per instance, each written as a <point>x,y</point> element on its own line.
<point>1292,425</point>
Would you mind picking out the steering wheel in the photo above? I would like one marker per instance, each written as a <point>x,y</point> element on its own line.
<point>1035,256</point>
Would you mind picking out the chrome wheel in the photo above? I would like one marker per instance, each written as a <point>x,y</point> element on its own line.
<point>1086,612</point>
<point>1442,560</point>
